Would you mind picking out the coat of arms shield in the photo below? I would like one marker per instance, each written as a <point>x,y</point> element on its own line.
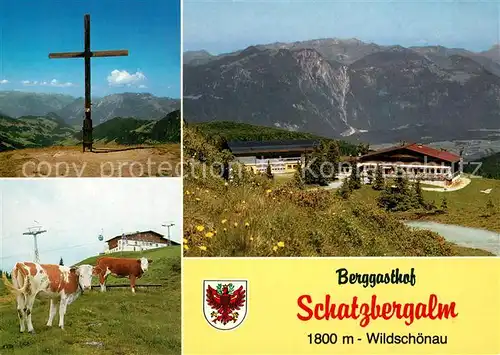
<point>225,303</point>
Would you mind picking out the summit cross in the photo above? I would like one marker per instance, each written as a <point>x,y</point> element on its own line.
<point>87,140</point>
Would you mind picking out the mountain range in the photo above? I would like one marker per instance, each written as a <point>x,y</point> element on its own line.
<point>52,130</point>
<point>70,109</point>
<point>349,88</point>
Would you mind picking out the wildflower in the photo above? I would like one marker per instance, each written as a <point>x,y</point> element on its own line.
<point>225,229</point>
<point>187,192</point>
<point>243,202</point>
<point>223,221</point>
<point>184,240</point>
<point>186,247</point>
<point>202,247</point>
<point>247,224</point>
<point>206,191</point>
<point>251,238</point>
<point>268,191</point>
<point>225,184</point>
<point>236,224</point>
<point>275,248</point>
<point>200,228</point>
<point>209,234</point>
<point>197,199</point>
<point>281,244</point>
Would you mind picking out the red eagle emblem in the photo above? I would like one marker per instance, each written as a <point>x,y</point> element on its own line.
<point>225,301</point>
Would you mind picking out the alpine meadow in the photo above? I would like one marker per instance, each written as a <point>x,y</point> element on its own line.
<point>357,136</point>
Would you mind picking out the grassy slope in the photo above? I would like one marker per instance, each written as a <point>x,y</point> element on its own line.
<point>258,217</point>
<point>490,167</point>
<point>247,132</point>
<point>119,322</point>
<point>466,207</point>
<point>32,132</point>
<point>235,131</point>
<point>312,223</point>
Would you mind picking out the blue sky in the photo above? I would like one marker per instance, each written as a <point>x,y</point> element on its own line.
<point>150,30</point>
<point>223,26</point>
<point>75,211</point>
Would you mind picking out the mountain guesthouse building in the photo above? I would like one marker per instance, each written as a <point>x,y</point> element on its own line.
<point>283,156</point>
<point>414,160</point>
<point>137,241</point>
<point>436,166</point>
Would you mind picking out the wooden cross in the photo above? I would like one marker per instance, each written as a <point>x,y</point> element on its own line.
<point>87,54</point>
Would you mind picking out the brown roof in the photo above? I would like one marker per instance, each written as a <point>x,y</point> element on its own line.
<point>422,149</point>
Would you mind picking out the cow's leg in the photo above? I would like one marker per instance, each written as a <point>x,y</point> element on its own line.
<point>52,312</point>
<point>102,280</point>
<point>62,311</point>
<point>132,283</point>
<point>21,304</point>
<point>30,300</point>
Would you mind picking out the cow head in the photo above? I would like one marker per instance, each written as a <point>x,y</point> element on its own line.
<point>144,263</point>
<point>84,275</point>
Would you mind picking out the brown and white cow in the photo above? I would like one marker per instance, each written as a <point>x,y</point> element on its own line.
<point>59,283</point>
<point>120,267</point>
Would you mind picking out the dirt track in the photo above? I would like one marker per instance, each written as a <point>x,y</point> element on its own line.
<point>106,161</point>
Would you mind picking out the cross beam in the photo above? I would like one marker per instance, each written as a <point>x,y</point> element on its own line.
<point>87,54</point>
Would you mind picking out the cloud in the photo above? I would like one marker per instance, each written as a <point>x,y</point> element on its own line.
<point>124,78</point>
<point>29,83</point>
<point>56,83</point>
<point>4,81</point>
<point>142,87</point>
<point>53,83</point>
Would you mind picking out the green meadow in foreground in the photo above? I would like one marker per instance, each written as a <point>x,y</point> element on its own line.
<point>115,322</point>
<point>256,216</point>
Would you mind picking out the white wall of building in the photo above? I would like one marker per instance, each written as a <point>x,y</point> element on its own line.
<point>133,245</point>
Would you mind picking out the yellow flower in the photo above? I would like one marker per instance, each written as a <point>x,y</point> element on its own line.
<point>187,192</point>
<point>206,190</point>
<point>202,247</point>
<point>281,244</point>
<point>200,228</point>
<point>197,199</point>
<point>268,191</point>
<point>184,240</point>
<point>223,221</point>
<point>247,224</point>
<point>251,238</point>
<point>225,229</point>
<point>236,224</point>
<point>209,235</point>
<point>186,247</point>
<point>275,248</point>
<point>243,202</point>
